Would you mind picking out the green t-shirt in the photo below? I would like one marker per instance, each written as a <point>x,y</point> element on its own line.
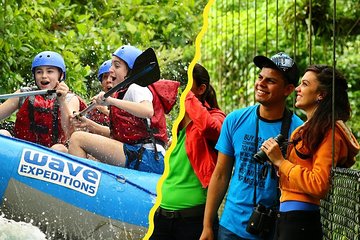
<point>181,189</point>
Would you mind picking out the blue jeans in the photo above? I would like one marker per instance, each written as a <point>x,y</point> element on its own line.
<point>225,234</point>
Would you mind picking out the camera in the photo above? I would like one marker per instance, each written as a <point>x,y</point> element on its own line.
<point>262,221</point>
<point>261,157</point>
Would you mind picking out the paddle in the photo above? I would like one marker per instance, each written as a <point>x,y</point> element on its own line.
<point>26,94</point>
<point>30,93</point>
<point>145,72</point>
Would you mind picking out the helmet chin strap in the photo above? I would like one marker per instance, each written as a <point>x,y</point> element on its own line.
<point>61,78</point>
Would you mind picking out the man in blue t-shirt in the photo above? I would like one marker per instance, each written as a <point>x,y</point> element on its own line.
<point>251,182</point>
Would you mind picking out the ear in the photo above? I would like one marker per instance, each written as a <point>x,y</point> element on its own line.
<point>202,89</point>
<point>61,77</point>
<point>321,96</point>
<point>289,88</point>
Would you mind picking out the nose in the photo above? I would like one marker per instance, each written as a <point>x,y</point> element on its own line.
<point>108,79</point>
<point>261,81</point>
<point>111,69</point>
<point>44,74</point>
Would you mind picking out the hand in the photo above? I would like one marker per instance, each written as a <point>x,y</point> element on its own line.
<point>61,91</point>
<point>100,99</point>
<point>79,123</point>
<point>207,234</point>
<point>103,109</point>
<point>272,150</point>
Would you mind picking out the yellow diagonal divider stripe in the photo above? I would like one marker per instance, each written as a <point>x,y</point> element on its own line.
<point>180,117</point>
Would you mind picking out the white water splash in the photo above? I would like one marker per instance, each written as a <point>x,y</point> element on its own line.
<point>11,230</point>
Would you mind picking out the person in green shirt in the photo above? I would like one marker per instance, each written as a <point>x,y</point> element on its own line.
<point>192,161</point>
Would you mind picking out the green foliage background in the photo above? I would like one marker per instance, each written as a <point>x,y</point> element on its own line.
<point>87,32</point>
<point>240,30</point>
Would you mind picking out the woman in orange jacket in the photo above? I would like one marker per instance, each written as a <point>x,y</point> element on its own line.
<point>305,174</point>
<point>191,164</point>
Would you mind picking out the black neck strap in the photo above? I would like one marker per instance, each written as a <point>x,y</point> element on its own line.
<point>285,126</point>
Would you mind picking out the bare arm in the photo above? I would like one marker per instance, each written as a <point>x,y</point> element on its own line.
<point>142,109</point>
<point>217,189</point>
<point>9,107</point>
<point>66,108</point>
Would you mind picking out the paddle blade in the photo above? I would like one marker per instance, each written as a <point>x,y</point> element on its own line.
<point>145,72</point>
<point>142,62</point>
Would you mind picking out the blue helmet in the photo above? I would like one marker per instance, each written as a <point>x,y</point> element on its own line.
<point>128,54</point>
<point>49,58</point>
<point>104,68</point>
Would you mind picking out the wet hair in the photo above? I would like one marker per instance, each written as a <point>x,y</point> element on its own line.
<point>201,76</point>
<point>313,132</point>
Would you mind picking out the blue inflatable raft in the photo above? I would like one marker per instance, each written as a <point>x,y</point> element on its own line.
<point>72,197</point>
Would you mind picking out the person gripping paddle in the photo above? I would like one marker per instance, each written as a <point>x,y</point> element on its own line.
<point>43,117</point>
<point>137,135</point>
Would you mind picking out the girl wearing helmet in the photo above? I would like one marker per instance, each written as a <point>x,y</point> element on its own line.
<point>43,119</point>
<point>100,114</point>
<point>103,76</point>
<point>128,141</point>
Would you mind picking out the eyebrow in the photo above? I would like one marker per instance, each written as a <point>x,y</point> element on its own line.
<point>269,78</point>
<point>306,81</point>
<point>45,67</point>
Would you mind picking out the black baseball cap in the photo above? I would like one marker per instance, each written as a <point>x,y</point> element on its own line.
<point>281,62</point>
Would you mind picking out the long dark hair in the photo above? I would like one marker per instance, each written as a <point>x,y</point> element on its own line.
<point>201,76</point>
<point>313,132</point>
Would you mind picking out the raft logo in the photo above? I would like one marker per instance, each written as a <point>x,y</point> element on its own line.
<point>62,172</point>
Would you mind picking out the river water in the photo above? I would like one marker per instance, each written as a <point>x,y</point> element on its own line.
<point>11,230</point>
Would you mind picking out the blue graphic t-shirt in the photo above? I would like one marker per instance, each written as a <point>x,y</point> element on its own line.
<point>237,139</point>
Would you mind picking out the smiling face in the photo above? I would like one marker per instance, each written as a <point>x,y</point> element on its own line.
<point>47,77</point>
<point>271,88</point>
<point>118,70</point>
<point>307,93</point>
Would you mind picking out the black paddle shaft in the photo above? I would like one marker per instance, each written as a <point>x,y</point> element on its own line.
<point>145,72</point>
<point>137,78</point>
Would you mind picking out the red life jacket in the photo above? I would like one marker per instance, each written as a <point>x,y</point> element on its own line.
<point>38,121</point>
<point>95,114</point>
<point>130,129</point>
<point>82,103</point>
<point>98,117</point>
